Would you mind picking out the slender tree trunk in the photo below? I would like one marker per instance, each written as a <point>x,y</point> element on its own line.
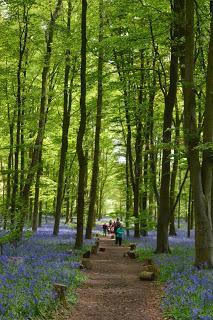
<point>22,125</point>
<point>67,210</point>
<point>189,212</point>
<point>36,198</point>
<point>22,166</point>
<point>42,114</point>
<point>100,206</point>
<point>207,165</point>
<point>30,213</point>
<point>65,132</point>
<point>149,161</point>
<point>95,169</point>
<point>128,195</point>
<point>144,231</point>
<point>22,48</point>
<point>81,132</point>
<point>138,172</point>
<point>40,214</point>
<point>9,170</point>
<point>172,231</point>
<point>170,99</point>
<point>152,158</point>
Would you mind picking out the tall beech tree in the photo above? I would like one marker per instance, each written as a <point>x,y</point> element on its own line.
<point>177,122</point>
<point>170,99</point>
<point>42,114</point>
<point>95,169</point>
<point>201,174</point>
<point>82,128</point>
<point>23,35</point>
<point>138,149</point>
<point>68,87</point>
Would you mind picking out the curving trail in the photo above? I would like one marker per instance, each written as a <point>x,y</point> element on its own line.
<point>113,290</point>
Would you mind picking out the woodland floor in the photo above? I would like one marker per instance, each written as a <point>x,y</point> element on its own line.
<point>113,289</point>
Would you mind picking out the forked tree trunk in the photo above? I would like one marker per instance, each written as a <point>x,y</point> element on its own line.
<point>81,132</point>
<point>95,169</point>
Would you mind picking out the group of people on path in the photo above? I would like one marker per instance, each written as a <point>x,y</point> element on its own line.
<point>115,228</point>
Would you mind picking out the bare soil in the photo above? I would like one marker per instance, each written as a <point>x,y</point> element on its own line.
<point>113,290</point>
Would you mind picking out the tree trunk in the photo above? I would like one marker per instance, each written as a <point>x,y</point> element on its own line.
<point>42,115</point>
<point>170,99</point>
<point>138,171</point>
<point>36,198</point>
<point>65,131</point>
<point>152,158</point>
<point>22,125</point>
<point>189,212</point>
<point>67,210</point>
<point>95,169</point>
<point>128,195</point>
<point>81,132</point>
<point>9,170</point>
<point>199,179</point>
<point>40,214</point>
<point>22,48</point>
<point>172,231</point>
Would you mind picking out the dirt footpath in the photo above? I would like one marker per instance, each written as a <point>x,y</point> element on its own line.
<point>113,290</point>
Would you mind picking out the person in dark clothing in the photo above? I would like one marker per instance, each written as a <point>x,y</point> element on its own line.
<point>116,226</point>
<point>105,228</point>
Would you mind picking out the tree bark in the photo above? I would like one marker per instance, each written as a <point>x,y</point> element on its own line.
<point>199,179</point>
<point>9,170</point>
<point>170,99</point>
<point>95,169</point>
<point>22,48</point>
<point>42,115</point>
<point>128,196</point>
<point>172,230</point>
<point>65,131</point>
<point>138,152</point>
<point>36,197</point>
<point>81,132</point>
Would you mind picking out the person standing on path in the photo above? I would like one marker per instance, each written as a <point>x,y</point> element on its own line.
<point>105,227</point>
<point>116,226</point>
<point>119,234</point>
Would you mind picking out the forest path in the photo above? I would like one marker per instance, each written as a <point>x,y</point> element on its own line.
<point>113,289</point>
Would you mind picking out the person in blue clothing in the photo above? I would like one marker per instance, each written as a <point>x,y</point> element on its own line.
<point>119,234</point>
